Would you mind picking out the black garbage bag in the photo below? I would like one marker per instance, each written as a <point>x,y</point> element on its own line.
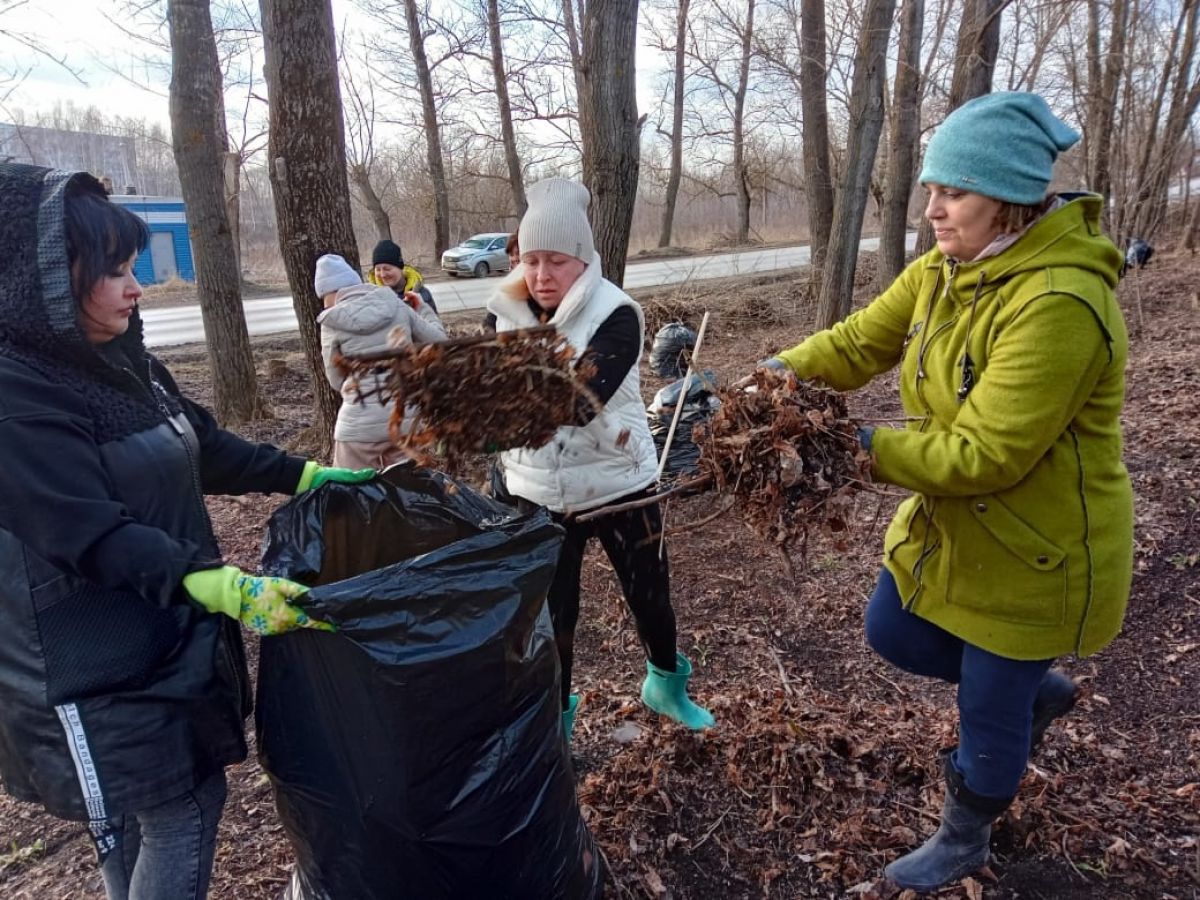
<point>668,353</point>
<point>417,754</point>
<point>684,456</point>
<point>1137,255</point>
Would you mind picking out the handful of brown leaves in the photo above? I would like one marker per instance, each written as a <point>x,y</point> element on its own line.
<point>477,394</point>
<point>789,454</point>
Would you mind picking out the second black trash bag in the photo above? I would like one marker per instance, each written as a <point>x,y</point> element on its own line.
<point>418,752</point>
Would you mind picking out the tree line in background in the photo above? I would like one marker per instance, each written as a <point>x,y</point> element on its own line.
<point>772,119</point>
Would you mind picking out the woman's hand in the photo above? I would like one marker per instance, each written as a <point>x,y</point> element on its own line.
<point>315,475</point>
<point>261,603</point>
<point>774,364</point>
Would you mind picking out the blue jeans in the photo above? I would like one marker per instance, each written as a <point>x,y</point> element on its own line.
<point>995,694</point>
<point>165,852</point>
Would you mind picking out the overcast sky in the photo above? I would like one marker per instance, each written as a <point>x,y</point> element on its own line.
<point>79,32</point>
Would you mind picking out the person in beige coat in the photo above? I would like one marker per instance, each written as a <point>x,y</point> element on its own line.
<point>358,319</point>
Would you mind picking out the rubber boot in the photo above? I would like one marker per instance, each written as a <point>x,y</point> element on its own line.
<point>666,694</point>
<point>959,846</point>
<point>568,716</point>
<point>1056,697</point>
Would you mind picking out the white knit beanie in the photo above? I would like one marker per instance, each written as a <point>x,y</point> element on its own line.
<point>557,219</point>
<point>333,274</point>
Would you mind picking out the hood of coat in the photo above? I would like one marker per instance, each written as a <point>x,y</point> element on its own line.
<point>511,298</point>
<point>361,309</point>
<point>37,308</point>
<point>1069,236</point>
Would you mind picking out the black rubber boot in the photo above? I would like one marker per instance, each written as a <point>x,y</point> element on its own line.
<point>1056,697</point>
<point>959,846</point>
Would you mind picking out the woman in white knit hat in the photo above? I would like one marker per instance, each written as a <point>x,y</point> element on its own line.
<point>604,456</point>
<point>358,319</point>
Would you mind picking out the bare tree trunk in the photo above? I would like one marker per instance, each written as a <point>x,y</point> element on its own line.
<point>974,62</point>
<point>1157,163</point>
<point>1129,122</point>
<point>866,122</point>
<point>609,125</point>
<point>197,104</point>
<point>1102,91</point>
<point>307,166</point>
<point>575,46</point>
<point>232,176</point>
<point>433,135</point>
<point>815,130</point>
<point>676,173</point>
<point>740,174</point>
<point>905,131</point>
<point>511,156</point>
<point>1192,231</point>
<point>361,177</point>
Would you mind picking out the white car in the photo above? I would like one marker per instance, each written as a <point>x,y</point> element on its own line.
<point>479,255</point>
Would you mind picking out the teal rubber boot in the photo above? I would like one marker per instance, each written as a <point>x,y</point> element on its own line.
<point>666,694</point>
<point>568,716</point>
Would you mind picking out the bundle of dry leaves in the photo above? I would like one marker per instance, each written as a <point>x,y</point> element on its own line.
<point>788,453</point>
<point>477,394</point>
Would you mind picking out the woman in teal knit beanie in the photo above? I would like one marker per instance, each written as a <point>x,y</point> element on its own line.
<point>1016,544</point>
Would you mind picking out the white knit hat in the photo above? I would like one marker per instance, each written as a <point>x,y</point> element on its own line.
<point>333,274</point>
<point>557,219</point>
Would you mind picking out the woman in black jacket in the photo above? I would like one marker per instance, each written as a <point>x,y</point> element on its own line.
<point>122,693</point>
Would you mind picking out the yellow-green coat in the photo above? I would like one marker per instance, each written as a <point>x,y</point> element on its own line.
<point>1019,538</point>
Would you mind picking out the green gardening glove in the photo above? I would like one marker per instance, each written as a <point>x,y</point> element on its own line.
<point>315,475</point>
<point>261,603</point>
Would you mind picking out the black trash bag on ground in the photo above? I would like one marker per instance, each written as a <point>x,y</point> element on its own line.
<point>417,754</point>
<point>668,353</point>
<point>699,404</point>
<point>1137,255</point>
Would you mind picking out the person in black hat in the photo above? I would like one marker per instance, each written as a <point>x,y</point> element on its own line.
<point>390,270</point>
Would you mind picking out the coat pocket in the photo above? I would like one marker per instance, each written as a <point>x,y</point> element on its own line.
<point>1001,565</point>
<point>97,640</point>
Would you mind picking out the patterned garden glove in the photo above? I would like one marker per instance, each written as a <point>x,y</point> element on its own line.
<point>315,475</point>
<point>261,603</point>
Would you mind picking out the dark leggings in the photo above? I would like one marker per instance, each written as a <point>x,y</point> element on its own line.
<point>631,540</point>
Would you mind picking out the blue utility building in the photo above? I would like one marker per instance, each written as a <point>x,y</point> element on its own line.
<point>169,254</point>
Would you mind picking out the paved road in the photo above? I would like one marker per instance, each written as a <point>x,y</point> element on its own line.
<point>271,315</point>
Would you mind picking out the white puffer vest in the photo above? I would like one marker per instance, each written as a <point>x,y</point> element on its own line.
<point>613,455</point>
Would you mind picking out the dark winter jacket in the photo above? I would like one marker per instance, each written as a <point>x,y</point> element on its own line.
<point>116,691</point>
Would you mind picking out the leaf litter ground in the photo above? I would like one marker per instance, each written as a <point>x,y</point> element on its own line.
<point>823,766</point>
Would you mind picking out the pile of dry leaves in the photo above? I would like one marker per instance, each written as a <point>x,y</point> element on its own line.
<point>457,398</point>
<point>788,452</point>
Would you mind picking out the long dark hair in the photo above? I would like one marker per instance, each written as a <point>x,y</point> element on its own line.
<point>100,235</point>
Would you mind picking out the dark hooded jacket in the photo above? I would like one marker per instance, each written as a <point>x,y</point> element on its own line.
<point>116,691</point>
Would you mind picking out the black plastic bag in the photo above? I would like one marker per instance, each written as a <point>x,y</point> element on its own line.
<point>668,353</point>
<point>699,404</point>
<point>418,753</point>
<point>1137,255</point>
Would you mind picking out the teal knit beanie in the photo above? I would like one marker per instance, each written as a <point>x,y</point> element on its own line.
<point>1000,145</point>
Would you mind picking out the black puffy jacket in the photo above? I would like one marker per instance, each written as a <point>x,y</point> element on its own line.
<point>116,691</point>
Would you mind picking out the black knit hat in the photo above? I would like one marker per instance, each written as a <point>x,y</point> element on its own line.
<point>387,252</point>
